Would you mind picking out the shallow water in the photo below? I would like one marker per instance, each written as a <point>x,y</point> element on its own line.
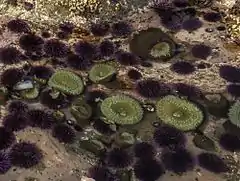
<point>183,84</point>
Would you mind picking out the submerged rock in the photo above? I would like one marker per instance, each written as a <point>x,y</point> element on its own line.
<point>94,146</point>
<point>125,139</point>
<point>203,142</point>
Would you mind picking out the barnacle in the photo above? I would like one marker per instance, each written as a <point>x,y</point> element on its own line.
<point>122,110</point>
<point>66,82</point>
<point>152,41</point>
<point>179,113</point>
<point>101,73</point>
<point>234,114</point>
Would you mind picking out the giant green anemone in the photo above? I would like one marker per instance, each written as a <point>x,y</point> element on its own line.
<point>66,82</point>
<point>122,110</point>
<point>101,73</point>
<point>179,113</point>
<point>234,114</point>
<point>152,43</point>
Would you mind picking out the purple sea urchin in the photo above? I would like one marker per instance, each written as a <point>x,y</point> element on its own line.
<point>134,74</point>
<point>201,51</point>
<point>41,72</point>
<point>56,48</point>
<point>31,42</point>
<point>17,106</point>
<point>62,35</point>
<point>212,162</point>
<point>99,173</point>
<point>25,155</point>
<point>230,142</point>
<point>127,58</point>
<point>10,55</point>
<point>18,26</point>
<point>85,50</point>
<point>230,73</point>
<point>7,138</point>
<point>121,28</point>
<point>166,136</point>
<point>187,90</point>
<point>148,170</point>
<point>161,5</point>
<point>144,150</point>
<point>77,62</point>
<point>118,158</point>
<point>64,133</point>
<point>100,29</point>
<point>192,24</point>
<point>181,3</point>
<point>53,103</point>
<point>11,76</point>
<point>178,161</point>
<point>40,118</point>
<point>212,16</point>
<point>183,67</point>
<point>106,48</point>
<point>5,163</point>
<point>15,121</point>
<point>152,88</point>
<point>66,27</point>
<point>234,90</point>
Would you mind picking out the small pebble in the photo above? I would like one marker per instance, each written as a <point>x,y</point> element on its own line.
<point>156,124</point>
<point>209,30</point>
<point>221,28</point>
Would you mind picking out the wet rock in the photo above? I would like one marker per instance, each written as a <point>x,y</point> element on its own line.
<point>203,142</point>
<point>27,84</point>
<point>231,128</point>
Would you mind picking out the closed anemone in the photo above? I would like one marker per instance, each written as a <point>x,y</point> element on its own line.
<point>41,119</point>
<point>152,88</point>
<point>122,110</point>
<point>106,48</point>
<point>18,26</point>
<point>118,158</point>
<point>11,76</point>
<point>41,72</point>
<point>183,67</point>
<point>127,58</point>
<point>148,169</point>
<point>212,163</point>
<point>15,121</point>
<point>166,136</point>
<point>25,155</point>
<point>47,98</point>
<point>56,48</point>
<point>234,90</point>
<point>7,138</point>
<point>10,55</point>
<point>212,16</point>
<point>192,24</point>
<point>179,113</point>
<point>144,150</point>
<point>102,127</point>
<point>76,62</point>
<point>85,50</point>
<point>64,133</point>
<point>201,51</point>
<point>17,106</point>
<point>178,161</point>
<point>100,29</point>
<point>234,113</point>
<point>161,50</point>
<point>5,163</point>
<point>134,74</point>
<point>31,42</point>
<point>66,82</point>
<point>230,73</point>
<point>102,73</point>
<point>121,29</point>
<point>230,142</point>
<point>100,173</point>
